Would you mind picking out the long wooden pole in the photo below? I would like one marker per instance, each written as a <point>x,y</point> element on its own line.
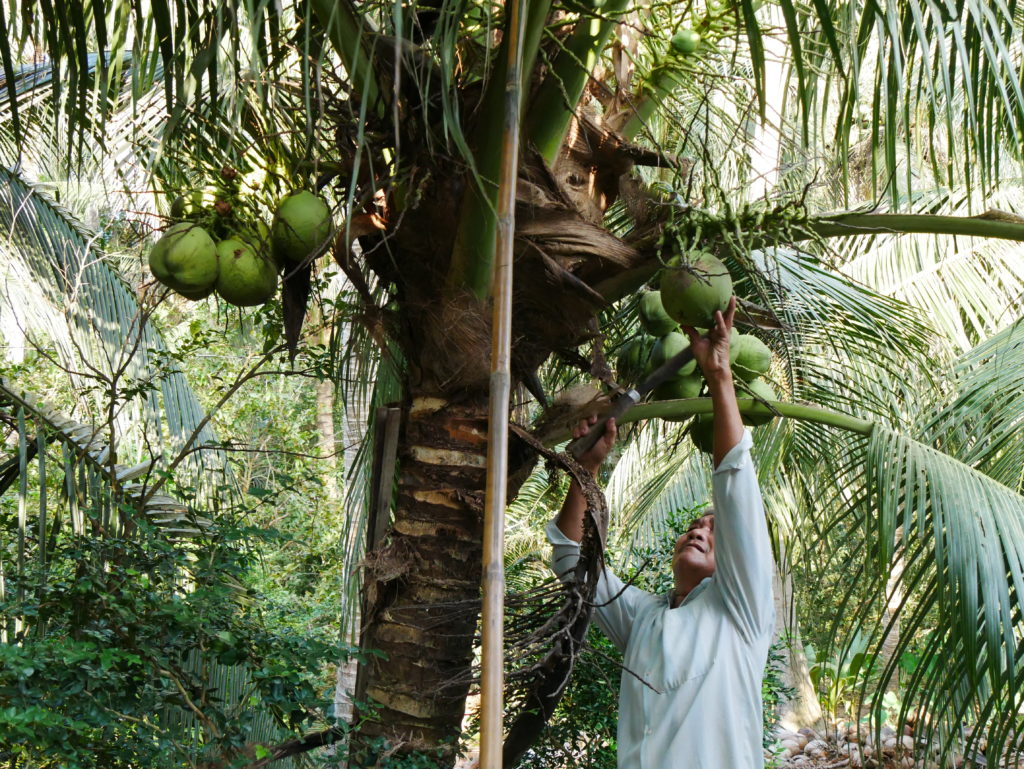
<point>492,682</point>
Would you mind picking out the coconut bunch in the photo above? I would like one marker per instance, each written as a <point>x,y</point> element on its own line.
<point>692,288</point>
<point>217,249</point>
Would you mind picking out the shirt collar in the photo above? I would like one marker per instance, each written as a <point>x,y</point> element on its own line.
<point>701,586</point>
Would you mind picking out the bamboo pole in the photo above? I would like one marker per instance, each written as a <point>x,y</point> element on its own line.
<point>492,680</point>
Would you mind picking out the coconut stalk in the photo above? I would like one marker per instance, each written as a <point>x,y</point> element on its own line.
<point>492,681</point>
<point>991,224</point>
<point>694,406</point>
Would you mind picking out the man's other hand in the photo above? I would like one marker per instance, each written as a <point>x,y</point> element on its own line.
<point>593,457</point>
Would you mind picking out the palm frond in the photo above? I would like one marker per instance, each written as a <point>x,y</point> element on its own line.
<point>958,533</point>
<point>659,473</point>
<point>88,445</point>
<point>982,422</point>
<point>95,319</point>
<point>939,81</point>
<point>969,287</point>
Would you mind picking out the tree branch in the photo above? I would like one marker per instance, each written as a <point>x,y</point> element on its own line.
<point>301,745</point>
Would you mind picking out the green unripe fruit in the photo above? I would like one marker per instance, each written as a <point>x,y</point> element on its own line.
<point>695,288</point>
<point>301,226</point>
<point>753,358</point>
<point>685,41</point>
<point>178,206</point>
<point>185,259</point>
<point>195,296</point>
<point>261,237</point>
<point>759,414</point>
<point>631,362</point>
<point>678,389</point>
<point>669,346</point>
<point>702,432</point>
<point>246,277</point>
<point>653,317</point>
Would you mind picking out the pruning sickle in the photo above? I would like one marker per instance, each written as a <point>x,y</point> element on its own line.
<point>625,400</point>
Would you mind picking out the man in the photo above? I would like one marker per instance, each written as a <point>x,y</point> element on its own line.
<point>700,652</point>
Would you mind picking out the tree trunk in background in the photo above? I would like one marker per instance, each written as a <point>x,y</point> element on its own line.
<point>425,576</point>
<point>893,599</point>
<point>12,333</point>
<point>354,425</point>
<point>803,709</point>
<point>327,442</point>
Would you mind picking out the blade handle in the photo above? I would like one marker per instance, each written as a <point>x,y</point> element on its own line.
<point>627,400</point>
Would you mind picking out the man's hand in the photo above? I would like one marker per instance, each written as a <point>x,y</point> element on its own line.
<point>570,519</point>
<point>595,455</point>
<point>712,352</point>
<point>712,355</point>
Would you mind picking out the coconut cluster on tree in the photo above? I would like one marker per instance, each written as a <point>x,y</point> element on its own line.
<point>215,249</point>
<point>692,288</point>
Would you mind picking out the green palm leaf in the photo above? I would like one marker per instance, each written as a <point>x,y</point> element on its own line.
<point>89,310</point>
<point>983,419</point>
<point>961,544</point>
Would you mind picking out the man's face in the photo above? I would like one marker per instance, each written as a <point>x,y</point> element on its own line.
<point>694,556</point>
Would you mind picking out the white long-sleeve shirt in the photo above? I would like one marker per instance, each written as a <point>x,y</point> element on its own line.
<point>706,657</point>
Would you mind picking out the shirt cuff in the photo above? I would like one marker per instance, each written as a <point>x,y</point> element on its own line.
<point>737,455</point>
<point>556,537</point>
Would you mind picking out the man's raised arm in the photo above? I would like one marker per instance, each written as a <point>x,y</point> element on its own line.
<point>570,518</point>
<point>743,558</point>
<point>712,355</point>
<point>616,604</point>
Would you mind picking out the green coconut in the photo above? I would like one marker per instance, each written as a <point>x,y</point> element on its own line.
<point>631,362</point>
<point>702,432</point>
<point>301,226</point>
<point>653,317</point>
<point>759,414</point>
<point>753,358</point>
<point>246,276</point>
<point>667,347</point>
<point>178,207</point>
<point>260,237</point>
<point>693,289</point>
<point>185,259</point>
<point>678,389</point>
<point>195,296</point>
<point>685,41</point>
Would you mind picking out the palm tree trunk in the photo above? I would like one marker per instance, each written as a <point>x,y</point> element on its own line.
<point>423,581</point>
<point>803,708</point>
<point>893,604</point>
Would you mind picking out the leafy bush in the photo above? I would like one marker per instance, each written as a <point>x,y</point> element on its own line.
<point>581,732</point>
<point>139,652</point>
<point>774,691</point>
